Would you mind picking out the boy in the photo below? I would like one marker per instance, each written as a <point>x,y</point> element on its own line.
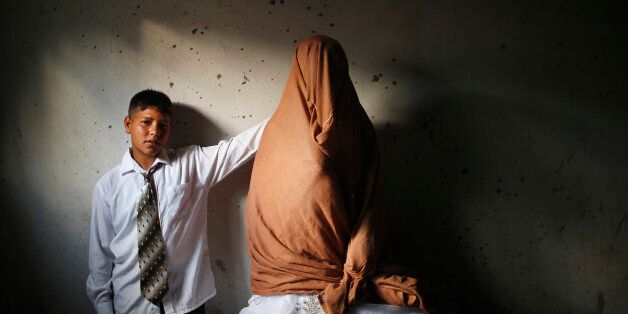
<point>148,237</point>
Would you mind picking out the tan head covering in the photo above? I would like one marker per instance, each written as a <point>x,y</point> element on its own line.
<point>314,220</point>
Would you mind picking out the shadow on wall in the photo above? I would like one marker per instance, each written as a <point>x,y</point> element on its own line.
<point>226,236</point>
<point>486,216</point>
<point>428,173</point>
<point>191,127</point>
<point>227,241</point>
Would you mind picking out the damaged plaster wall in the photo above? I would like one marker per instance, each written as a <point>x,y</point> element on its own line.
<point>502,128</point>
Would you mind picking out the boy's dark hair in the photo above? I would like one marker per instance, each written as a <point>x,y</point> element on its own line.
<point>150,98</point>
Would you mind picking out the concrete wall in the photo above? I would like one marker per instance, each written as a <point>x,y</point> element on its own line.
<point>502,128</point>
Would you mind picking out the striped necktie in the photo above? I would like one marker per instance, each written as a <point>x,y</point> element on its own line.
<point>151,248</point>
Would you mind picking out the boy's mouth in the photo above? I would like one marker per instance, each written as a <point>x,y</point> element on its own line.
<point>152,142</point>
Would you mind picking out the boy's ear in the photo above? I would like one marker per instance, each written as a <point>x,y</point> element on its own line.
<point>127,124</point>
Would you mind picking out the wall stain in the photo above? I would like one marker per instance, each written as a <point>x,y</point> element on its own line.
<point>564,162</point>
<point>621,224</point>
<point>600,302</point>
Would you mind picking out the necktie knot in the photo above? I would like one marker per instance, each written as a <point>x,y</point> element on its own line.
<point>148,176</point>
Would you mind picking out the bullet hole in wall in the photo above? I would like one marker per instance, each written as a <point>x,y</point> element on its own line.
<point>221,265</point>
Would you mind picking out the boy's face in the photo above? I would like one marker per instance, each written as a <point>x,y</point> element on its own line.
<point>150,130</point>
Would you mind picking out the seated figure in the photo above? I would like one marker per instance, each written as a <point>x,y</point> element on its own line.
<point>314,218</point>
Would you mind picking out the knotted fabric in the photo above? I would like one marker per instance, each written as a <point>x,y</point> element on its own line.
<point>314,218</point>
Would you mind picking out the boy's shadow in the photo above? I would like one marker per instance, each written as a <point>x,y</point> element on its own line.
<point>191,128</point>
<point>225,208</point>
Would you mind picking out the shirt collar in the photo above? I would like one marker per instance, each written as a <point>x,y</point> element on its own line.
<point>129,164</point>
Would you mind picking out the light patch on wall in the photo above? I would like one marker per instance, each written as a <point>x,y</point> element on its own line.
<point>217,73</point>
<point>78,118</point>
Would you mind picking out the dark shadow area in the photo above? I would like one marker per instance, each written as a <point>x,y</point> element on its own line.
<point>191,128</point>
<point>478,186</point>
<point>426,175</point>
<point>225,208</point>
<point>40,252</point>
<point>421,176</point>
<point>20,259</point>
<point>227,241</point>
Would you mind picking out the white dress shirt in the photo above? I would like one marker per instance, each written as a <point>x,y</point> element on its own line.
<point>182,182</point>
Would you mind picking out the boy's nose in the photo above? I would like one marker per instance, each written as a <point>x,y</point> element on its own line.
<point>154,130</point>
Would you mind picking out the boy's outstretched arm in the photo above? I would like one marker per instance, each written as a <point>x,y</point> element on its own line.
<point>99,288</point>
<point>226,156</point>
